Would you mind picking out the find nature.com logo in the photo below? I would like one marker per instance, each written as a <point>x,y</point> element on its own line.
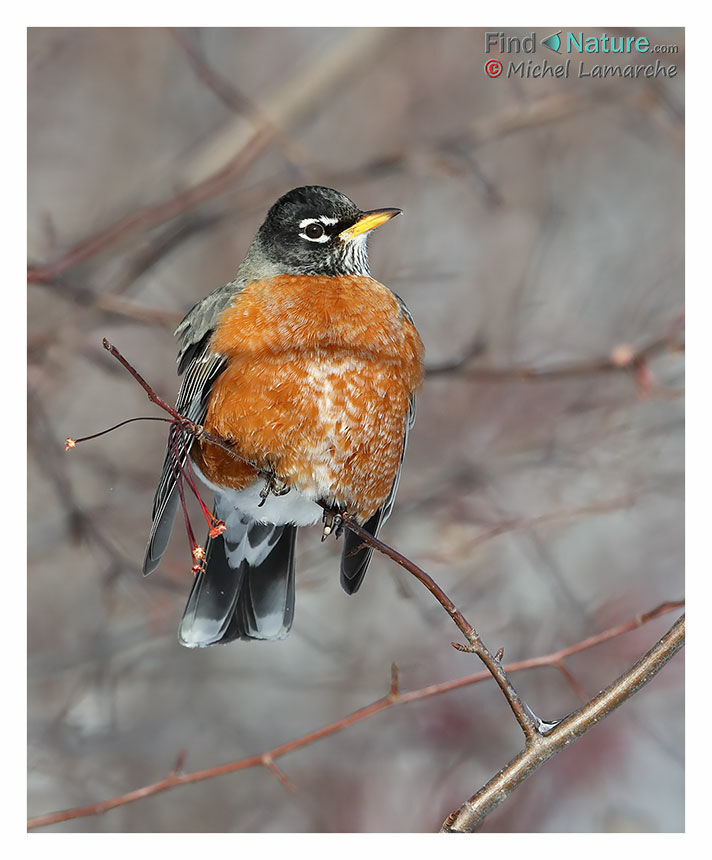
<point>624,52</point>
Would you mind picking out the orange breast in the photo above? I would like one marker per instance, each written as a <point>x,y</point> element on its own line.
<point>319,374</point>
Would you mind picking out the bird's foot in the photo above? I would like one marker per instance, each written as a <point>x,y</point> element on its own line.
<point>333,522</point>
<point>273,485</point>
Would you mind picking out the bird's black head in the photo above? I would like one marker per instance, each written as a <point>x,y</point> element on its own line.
<point>316,230</point>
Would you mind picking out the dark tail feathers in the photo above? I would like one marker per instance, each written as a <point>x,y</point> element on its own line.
<point>355,561</point>
<point>243,602</point>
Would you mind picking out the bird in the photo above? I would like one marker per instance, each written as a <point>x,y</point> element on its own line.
<point>307,368</point>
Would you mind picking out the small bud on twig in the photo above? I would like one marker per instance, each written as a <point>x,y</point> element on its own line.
<point>395,684</point>
<point>217,529</point>
<point>180,761</point>
<point>458,646</point>
<point>622,355</point>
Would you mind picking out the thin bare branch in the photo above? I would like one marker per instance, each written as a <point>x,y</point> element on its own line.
<point>150,216</point>
<point>473,812</point>
<point>197,430</point>
<point>524,716</point>
<point>268,762</point>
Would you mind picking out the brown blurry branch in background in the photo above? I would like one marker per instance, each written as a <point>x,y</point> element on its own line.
<point>150,216</point>
<point>135,311</point>
<point>224,89</point>
<point>393,697</point>
<point>300,95</point>
<point>235,100</point>
<point>650,101</point>
<point>622,357</point>
<point>492,530</point>
<point>231,154</point>
<point>526,114</point>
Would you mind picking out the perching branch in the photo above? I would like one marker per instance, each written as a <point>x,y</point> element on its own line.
<point>527,720</point>
<point>473,812</point>
<point>529,723</point>
<point>394,697</point>
<point>191,427</point>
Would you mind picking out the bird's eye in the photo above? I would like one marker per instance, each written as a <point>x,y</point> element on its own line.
<point>313,229</point>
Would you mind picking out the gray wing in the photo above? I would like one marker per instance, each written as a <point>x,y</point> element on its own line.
<point>355,561</point>
<point>201,367</point>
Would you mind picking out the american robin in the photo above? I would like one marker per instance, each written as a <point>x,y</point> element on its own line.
<point>307,366</point>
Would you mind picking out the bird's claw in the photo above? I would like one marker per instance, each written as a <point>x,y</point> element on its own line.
<point>333,522</point>
<point>274,486</point>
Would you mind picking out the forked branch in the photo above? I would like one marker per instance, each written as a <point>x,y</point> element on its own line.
<point>473,812</point>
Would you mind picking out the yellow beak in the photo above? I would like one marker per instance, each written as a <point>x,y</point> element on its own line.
<point>368,221</point>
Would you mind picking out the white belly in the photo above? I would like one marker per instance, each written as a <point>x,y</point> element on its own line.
<point>294,508</point>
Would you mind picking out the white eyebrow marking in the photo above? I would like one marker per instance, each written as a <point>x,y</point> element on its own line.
<point>325,219</point>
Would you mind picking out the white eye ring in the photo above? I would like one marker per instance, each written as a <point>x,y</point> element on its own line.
<point>320,222</point>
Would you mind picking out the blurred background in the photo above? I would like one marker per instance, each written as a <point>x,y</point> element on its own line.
<point>543,231</point>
